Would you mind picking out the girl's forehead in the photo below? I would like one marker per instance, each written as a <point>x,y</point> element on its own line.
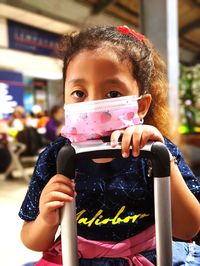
<point>96,54</point>
<point>97,70</point>
<point>103,60</point>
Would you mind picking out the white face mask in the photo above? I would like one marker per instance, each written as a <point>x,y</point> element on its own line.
<point>96,119</point>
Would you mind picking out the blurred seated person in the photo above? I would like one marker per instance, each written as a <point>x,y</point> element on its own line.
<point>42,120</point>
<point>32,120</point>
<point>18,118</point>
<point>37,119</point>
<point>5,156</point>
<point>55,122</point>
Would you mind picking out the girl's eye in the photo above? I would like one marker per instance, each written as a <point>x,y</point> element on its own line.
<point>78,94</point>
<point>113,94</point>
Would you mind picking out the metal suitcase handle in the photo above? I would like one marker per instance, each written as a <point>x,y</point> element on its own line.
<point>159,156</point>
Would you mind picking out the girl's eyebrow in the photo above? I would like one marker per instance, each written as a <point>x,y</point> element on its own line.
<point>114,81</point>
<point>75,80</point>
<point>111,81</point>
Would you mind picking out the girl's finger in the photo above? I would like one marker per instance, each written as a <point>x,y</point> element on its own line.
<point>61,179</point>
<point>59,183</point>
<point>55,197</point>
<point>60,187</point>
<point>114,138</point>
<point>150,133</point>
<point>60,196</point>
<point>136,140</point>
<point>126,142</point>
<point>144,138</point>
<point>54,205</point>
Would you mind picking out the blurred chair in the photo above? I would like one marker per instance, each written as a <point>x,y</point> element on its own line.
<point>16,168</point>
<point>24,151</point>
<point>5,155</point>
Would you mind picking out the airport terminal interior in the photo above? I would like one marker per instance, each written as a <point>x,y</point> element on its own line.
<point>31,87</point>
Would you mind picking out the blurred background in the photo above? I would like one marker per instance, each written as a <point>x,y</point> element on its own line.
<point>31,89</point>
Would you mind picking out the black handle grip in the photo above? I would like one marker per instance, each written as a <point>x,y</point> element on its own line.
<point>160,160</point>
<point>157,153</point>
<point>66,161</point>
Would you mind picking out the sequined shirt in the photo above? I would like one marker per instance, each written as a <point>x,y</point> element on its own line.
<point>114,200</point>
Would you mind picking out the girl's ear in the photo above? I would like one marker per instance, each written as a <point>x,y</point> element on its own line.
<point>144,105</point>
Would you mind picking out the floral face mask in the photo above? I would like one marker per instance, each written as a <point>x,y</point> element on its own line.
<point>96,119</point>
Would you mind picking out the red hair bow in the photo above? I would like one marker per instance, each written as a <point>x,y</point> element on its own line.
<point>127,30</point>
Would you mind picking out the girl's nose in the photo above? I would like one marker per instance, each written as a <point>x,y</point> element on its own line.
<point>94,97</point>
<point>91,99</point>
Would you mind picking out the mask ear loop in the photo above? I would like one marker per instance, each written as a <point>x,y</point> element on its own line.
<point>138,99</point>
<point>141,121</point>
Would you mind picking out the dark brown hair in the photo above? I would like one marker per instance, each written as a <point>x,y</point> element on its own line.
<point>148,68</point>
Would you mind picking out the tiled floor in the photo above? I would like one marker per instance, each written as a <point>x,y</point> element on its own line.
<point>12,251</point>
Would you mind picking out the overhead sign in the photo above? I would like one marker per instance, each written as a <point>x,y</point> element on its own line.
<point>11,92</point>
<point>30,39</point>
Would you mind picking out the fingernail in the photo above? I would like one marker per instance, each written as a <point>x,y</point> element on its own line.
<point>135,153</point>
<point>113,142</point>
<point>125,154</point>
<point>73,184</point>
<point>69,199</point>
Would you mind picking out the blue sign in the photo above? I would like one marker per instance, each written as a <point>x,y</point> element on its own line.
<point>11,92</point>
<point>30,39</point>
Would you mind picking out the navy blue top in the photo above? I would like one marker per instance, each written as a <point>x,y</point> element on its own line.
<point>114,200</point>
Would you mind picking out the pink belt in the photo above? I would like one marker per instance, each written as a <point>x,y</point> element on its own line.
<point>128,249</point>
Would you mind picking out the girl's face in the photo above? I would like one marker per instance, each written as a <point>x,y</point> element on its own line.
<point>96,75</point>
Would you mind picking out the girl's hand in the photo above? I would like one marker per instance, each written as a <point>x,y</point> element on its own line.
<point>58,190</point>
<point>135,136</point>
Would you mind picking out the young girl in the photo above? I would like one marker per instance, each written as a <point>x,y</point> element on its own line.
<point>103,63</point>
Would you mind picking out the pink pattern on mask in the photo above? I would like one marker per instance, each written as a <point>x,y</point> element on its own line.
<point>94,124</point>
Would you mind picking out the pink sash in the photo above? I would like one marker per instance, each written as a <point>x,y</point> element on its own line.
<point>128,249</point>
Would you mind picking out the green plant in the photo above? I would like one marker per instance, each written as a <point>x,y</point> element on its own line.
<point>189,91</point>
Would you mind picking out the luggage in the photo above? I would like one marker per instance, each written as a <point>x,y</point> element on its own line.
<point>159,156</point>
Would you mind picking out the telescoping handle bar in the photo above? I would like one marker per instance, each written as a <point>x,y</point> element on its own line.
<point>159,156</point>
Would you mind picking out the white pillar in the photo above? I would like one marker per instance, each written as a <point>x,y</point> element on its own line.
<point>159,22</point>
